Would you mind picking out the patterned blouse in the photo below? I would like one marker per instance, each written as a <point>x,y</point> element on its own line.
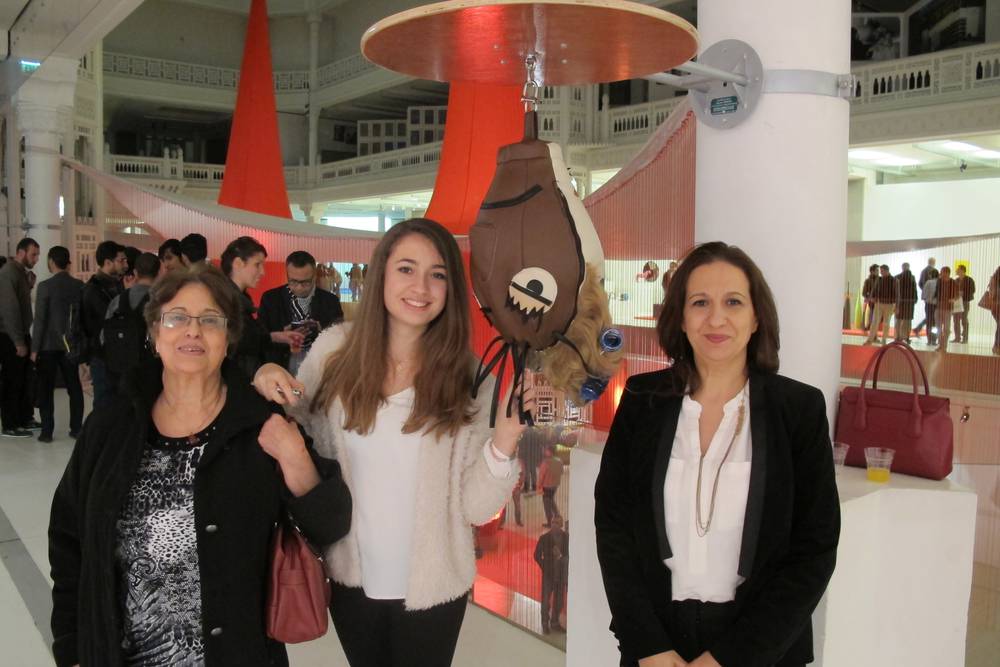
<point>157,556</point>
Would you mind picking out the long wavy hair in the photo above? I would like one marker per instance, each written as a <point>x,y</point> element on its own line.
<point>442,386</point>
<point>762,348</point>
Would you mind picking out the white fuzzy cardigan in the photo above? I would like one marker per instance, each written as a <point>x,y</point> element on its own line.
<point>455,491</point>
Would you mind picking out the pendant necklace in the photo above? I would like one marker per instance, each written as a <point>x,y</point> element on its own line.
<point>704,527</point>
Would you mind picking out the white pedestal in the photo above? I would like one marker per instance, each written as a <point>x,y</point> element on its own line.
<point>899,595</point>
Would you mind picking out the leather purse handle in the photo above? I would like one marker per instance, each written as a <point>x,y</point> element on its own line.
<point>907,350</point>
<point>861,416</point>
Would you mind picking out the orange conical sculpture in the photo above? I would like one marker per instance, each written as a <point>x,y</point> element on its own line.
<point>254,179</point>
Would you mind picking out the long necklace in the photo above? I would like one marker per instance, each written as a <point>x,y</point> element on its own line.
<point>704,527</point>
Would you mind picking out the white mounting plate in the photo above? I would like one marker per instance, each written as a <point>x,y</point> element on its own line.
<point>723,104</point>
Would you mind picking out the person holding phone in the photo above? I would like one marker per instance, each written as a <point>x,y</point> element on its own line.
<point>300,307</point>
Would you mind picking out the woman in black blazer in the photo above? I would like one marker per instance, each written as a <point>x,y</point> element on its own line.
<point>717,513</point>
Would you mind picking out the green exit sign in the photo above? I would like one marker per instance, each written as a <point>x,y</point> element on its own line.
<point>29,66</point>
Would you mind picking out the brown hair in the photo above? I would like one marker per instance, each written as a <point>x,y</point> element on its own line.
<point>356,372</point>
<point>762,349</point>
<point>221,288</point>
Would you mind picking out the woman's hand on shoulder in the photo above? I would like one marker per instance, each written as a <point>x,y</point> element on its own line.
<point>509,429</point>
<point>276,384</point>
<point>667,659</point>
<point>282,440</point>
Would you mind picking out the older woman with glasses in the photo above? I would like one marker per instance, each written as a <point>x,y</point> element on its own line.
<point>160,527</point>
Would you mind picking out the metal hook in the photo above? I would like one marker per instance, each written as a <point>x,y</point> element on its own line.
<point>529,94</point>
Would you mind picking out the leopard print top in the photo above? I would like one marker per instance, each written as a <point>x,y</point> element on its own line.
<point>157,556</point>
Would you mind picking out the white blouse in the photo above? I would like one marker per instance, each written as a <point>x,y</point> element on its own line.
<point>705,567</point>
<point>384,466</point>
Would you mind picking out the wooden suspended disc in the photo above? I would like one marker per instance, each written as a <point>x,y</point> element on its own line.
<point>575,41</point>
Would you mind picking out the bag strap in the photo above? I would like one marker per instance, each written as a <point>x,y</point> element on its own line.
<point>915,428</point>
<point>907,350</point>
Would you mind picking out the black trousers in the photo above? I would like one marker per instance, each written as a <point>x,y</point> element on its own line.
<point>381,633</point>
<point>695,626</point>
<point>16,408</point>
<point>553,597</point>
<point>549,503</point>
<point>49,362</point>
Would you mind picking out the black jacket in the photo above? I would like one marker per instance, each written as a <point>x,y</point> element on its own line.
<point>56,297</point>
<point>552,553</point>
<point>275,312</point>
<point>255,347</point>
<point>791,526</point>
<point>886,290</point>
<point>238,497</point>
<point>906,295</point>
<point>97,294</point>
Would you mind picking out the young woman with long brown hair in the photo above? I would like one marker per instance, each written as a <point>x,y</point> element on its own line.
<point>389,398</point>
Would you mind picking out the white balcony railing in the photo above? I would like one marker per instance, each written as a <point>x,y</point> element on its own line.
<point>427,155</point>
<point>225,78</point>
<point>343,70</point>
<point>332,173</point>
<point>639,120</point>
<point>958,74</point>
<point>145,167</point>
<point>193,74</point>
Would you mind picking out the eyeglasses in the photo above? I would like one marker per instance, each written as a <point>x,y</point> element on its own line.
<point>292,282</point>
<point>175,319</point>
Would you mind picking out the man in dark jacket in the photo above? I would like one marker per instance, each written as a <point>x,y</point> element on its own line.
<point>57,306</point>
<point>966,291</point>
<point>867,292</point>
<point>15,341</point>
<point>299,306</point>
<point>552,556</point>
<point>886,293</point>
<point>102,287</point>
<point>905,301</point>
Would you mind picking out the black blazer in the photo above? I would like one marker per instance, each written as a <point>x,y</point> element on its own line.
<point>790,534</point>
<point>238,496</point>
<point>275,310</point>
<point>275,313</point>
<point>56,296</point>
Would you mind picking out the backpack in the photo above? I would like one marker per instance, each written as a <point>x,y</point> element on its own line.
<point>124,335</point>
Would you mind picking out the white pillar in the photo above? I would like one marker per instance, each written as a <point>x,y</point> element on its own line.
<point>776,185</point>
<point>315,20</point>
<point>13,182</point>
<point>97,145</point>
<point>44,108</point>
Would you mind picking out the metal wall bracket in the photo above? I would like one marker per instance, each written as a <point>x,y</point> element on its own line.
<point>727,81</point>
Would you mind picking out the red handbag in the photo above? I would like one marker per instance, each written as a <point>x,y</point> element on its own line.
<point>298,592</point>
<point>918,427</point>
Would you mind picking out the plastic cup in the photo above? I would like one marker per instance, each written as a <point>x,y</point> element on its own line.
<point>839,454</point>
<point>879,460</point>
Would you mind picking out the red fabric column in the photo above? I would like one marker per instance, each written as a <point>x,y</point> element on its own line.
<point>254,179</point>
<point>481,119</point>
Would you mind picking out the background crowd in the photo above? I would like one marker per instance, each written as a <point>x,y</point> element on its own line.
<point>947,297</point>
